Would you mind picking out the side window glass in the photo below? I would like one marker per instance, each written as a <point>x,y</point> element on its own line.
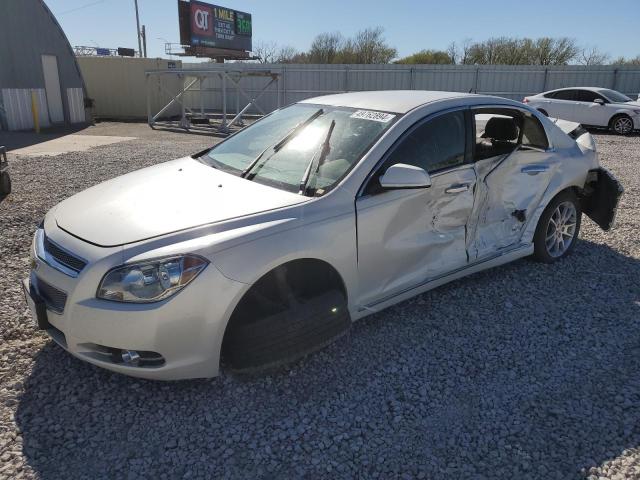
<point>587,96</point>
<point>533,133</point>
<point>565,95</point>
<point>497,132</point>
<point>435,145</point>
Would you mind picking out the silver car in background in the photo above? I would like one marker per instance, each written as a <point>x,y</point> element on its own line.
<point>267,246</point>
<point>592,106</point>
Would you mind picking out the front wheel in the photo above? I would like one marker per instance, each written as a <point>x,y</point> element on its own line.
<point>557,229</point>
<point>621,124</point>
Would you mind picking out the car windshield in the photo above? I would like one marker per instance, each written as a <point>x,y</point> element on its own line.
<point>615,97</point>
<point>325,140</point>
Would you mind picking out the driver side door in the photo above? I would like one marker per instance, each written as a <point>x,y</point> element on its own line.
<point>408,236</point>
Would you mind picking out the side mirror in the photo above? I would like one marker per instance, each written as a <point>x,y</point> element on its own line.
<point>599,101</point>
<point>401,175</point>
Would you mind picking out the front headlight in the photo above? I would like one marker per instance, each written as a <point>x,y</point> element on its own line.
<point>150,281</point>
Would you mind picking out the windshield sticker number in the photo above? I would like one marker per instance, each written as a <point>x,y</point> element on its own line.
<point>375,116</point>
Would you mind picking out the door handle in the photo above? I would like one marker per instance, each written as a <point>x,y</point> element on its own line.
<point>457,188</point>
<point>534,169</point>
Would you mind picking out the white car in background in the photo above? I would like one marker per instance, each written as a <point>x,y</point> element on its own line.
<point>592,106</point>
<point>266,246</point>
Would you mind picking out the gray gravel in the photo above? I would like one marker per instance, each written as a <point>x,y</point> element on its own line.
<point>525,371</point>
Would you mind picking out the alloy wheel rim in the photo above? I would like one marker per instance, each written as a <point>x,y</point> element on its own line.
<point>561,229</point>
<point>622,125</point>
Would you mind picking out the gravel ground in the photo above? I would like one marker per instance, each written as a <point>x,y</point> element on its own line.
<point>525,371</point>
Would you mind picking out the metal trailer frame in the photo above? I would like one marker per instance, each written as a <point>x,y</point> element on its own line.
<point>234,76</point>
<point>5,179</point>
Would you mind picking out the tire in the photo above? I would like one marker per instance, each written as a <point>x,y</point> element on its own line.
<point>621,124</point>
<point>5,184</point>
<point>543,111</point>
<point>286,336</point>
<point>549,245</point>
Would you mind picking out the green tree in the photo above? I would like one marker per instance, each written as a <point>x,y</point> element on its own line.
<point>428,57</point>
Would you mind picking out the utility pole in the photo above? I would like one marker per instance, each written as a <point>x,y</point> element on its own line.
<point>144,41</point>
<point>138,28</point>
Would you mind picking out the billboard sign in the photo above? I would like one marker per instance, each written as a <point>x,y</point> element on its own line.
<point>212,26</point>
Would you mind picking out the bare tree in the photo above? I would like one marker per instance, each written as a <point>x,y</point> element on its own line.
<point>453,52</point>
<point>287,54</point>
<point>592,56</point>
<point>369,46</point>
<point>325,47</point>
<point>520,51</point>
<point>627,61</point>
<point>265,51</point>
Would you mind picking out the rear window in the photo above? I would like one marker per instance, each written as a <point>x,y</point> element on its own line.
<point>565,95</point>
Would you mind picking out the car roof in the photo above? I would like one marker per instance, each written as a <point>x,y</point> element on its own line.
<point>396,101</point>
<point>593,89</point>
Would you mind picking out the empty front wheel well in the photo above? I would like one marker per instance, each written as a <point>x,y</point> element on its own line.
<point>283,288</point>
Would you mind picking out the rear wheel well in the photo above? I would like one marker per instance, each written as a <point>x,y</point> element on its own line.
<point>281,289</point>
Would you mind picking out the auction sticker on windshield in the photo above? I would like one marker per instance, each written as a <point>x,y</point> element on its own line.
<point>375,116</point>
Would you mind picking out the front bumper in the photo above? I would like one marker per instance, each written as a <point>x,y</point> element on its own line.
<point>185,330</point>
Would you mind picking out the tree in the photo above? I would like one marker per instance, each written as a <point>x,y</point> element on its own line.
<point>369,46</point>
<point>627,61</point>
<point>520,51</point>
<point>554,51</point>
<point>592,56</point>
<point>265,51</point>
<point>287,54</point>
<point>428,57</point>
<point>325,47</point>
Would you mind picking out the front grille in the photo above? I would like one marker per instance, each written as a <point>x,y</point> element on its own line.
<point>54,299</point>
<point>62,256</point>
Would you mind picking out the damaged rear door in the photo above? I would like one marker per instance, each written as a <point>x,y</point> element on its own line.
<point>513,166</point>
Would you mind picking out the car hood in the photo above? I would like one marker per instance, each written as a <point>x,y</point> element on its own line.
<point>628,104</point>
<point>162,199</point>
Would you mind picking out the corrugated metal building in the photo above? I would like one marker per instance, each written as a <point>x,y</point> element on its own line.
<point>36,58</point>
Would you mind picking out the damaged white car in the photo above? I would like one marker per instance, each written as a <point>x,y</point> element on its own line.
<point>267,246</point>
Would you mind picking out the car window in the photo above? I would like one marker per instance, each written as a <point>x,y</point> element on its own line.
<point>565,95</point>
<point>500,130</point>
<point>615,97</point>
<point>329,142</point>
<point>533,134</point>
<point>587,96</point>
<point>497,132</point>
<point>435,145</point>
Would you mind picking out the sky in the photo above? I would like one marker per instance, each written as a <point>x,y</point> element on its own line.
<point>409,25</point>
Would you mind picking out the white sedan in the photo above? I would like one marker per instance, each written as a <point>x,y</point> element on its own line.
<point>267,246</point>
<point>593,106</point>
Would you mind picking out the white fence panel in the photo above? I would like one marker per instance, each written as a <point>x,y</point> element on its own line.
<point>298,82</point>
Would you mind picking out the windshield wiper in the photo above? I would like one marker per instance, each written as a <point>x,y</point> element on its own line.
<point>315,165</point>
<point>281,143</point>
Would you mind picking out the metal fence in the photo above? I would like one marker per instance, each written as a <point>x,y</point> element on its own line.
<point>298,82</point>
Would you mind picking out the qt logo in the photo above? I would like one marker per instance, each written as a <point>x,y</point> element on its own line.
<point>201,19</point>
